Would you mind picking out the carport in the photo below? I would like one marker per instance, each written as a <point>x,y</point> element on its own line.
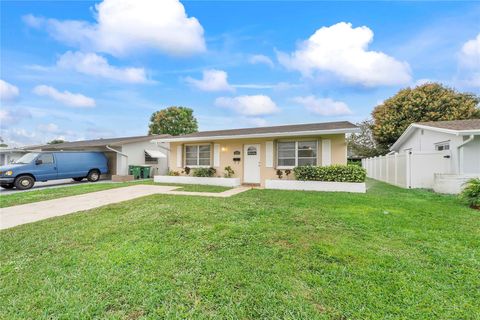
<point>122,152</point>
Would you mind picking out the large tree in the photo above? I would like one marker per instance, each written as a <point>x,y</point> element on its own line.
<point>363,144</point>
<point>427,102</point>
<point>56,141</point>
<point>174,121</point>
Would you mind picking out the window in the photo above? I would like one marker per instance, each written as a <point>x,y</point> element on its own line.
<point>46,158</point>
<point>297,153</point>
<point>149,158</point>
<point>442,146</point>
<point>252,151</point>
<point>198,155</point>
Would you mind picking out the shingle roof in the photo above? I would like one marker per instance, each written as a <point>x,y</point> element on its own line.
<point>275,129</point>
<point>458,125</point>
<point>103,142</point>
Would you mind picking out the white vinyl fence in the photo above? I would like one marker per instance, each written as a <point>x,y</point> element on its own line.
<point>410,169</point>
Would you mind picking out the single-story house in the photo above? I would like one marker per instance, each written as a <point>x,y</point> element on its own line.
<point>122,152</point>
<point>255,154</point>
<point>461,138</point>
<point>8,155</point>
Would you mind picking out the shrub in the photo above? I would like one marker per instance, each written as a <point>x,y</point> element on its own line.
<point>204,172</point>
<point>173,173</point>
<point>228,172</point>
<point>279,174</point>
<point>471,193</point>
<point>336,173</point>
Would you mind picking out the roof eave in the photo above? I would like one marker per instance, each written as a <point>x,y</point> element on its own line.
<point>260,135</point>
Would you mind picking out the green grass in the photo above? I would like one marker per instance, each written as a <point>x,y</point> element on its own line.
<point>54,193</point>
<point>387,254</point>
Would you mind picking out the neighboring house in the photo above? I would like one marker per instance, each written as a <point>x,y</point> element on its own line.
<point>438,155</point>
<point>461,138</point>
<point>8,155</point>
<point>122,152</point>
<point>255,154</point>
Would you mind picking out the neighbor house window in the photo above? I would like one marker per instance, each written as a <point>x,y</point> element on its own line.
<point>197,155</point>
<point>296,153</point>
<point>149,158</point>
<point>442,146</point>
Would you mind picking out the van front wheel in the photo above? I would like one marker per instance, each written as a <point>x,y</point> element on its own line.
<point>93,176</point>
<point>24,182</point>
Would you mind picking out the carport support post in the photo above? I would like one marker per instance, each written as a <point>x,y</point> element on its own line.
<point>123,170</point>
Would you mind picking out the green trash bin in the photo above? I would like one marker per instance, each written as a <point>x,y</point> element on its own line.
<point>145,172</point>
<point>135,171</point>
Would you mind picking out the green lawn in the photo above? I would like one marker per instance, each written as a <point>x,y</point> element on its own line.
<point>387,254</point>
<point>53,193</point>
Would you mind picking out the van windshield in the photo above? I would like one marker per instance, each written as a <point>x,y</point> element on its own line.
<point>27,158</point>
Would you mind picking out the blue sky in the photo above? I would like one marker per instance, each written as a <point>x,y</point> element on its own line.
<point>89,69</point>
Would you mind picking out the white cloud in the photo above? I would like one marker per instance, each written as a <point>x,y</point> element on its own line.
<point>125,26</point>
<point>323,106</point>
<point>260,58</point>
<point>343,51</point>
<point>470,53</point>
<point>253,105</point>
<point>469,59</point>
<point>213,80</point>
<point>50,127</point>
<point>96,65</point>
<point>65,97</point>
<point>8,92</point>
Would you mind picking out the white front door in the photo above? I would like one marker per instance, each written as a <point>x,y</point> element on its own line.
<point>251,163</point>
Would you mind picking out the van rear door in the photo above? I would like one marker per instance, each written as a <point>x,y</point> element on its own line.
<point>45,167</point>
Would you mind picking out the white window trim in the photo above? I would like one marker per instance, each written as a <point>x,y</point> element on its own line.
<point>296,154</point>
<point>198,155</point>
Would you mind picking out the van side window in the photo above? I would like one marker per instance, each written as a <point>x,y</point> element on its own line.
<point>46,158</point>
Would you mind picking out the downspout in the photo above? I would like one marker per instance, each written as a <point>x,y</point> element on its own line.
<point>470,139</point>
<point>118,152</point>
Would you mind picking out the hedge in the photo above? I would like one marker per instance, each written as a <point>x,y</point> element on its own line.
<point>336,173</point>
<point>204,172</point>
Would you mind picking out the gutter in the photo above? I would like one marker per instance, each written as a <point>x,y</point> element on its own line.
<point>258,135</point>
<point>116,151</point>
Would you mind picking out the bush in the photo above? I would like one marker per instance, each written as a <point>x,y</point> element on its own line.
<point>228,172</point>
<point>471,193</point>
<point>336,173</point>
<point>204,172</point>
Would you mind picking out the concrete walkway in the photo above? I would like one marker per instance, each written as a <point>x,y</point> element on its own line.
<point>31,212</point>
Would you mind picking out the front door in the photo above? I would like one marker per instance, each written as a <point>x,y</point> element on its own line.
<point>251,163</point>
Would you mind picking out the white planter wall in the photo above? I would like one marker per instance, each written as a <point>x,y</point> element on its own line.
<point>451,183</point>
<point>223,182</point>
<point>316,186</point>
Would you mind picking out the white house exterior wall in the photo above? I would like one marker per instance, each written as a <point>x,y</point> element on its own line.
<point>136,155</point>
<point>423,140</point>
<point>470,156</point>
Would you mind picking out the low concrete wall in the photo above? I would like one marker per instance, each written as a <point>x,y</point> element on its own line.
<point>316,185</point>
<point>451,183</point>
<point>223,182</point>
<point>118,178</point>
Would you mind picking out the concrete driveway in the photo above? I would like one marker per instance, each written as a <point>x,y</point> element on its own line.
<point>51,184</point>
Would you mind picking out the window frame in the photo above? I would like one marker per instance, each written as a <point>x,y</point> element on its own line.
<point>296,153</point>
<point>442,144</point>
<point>198,165</point>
